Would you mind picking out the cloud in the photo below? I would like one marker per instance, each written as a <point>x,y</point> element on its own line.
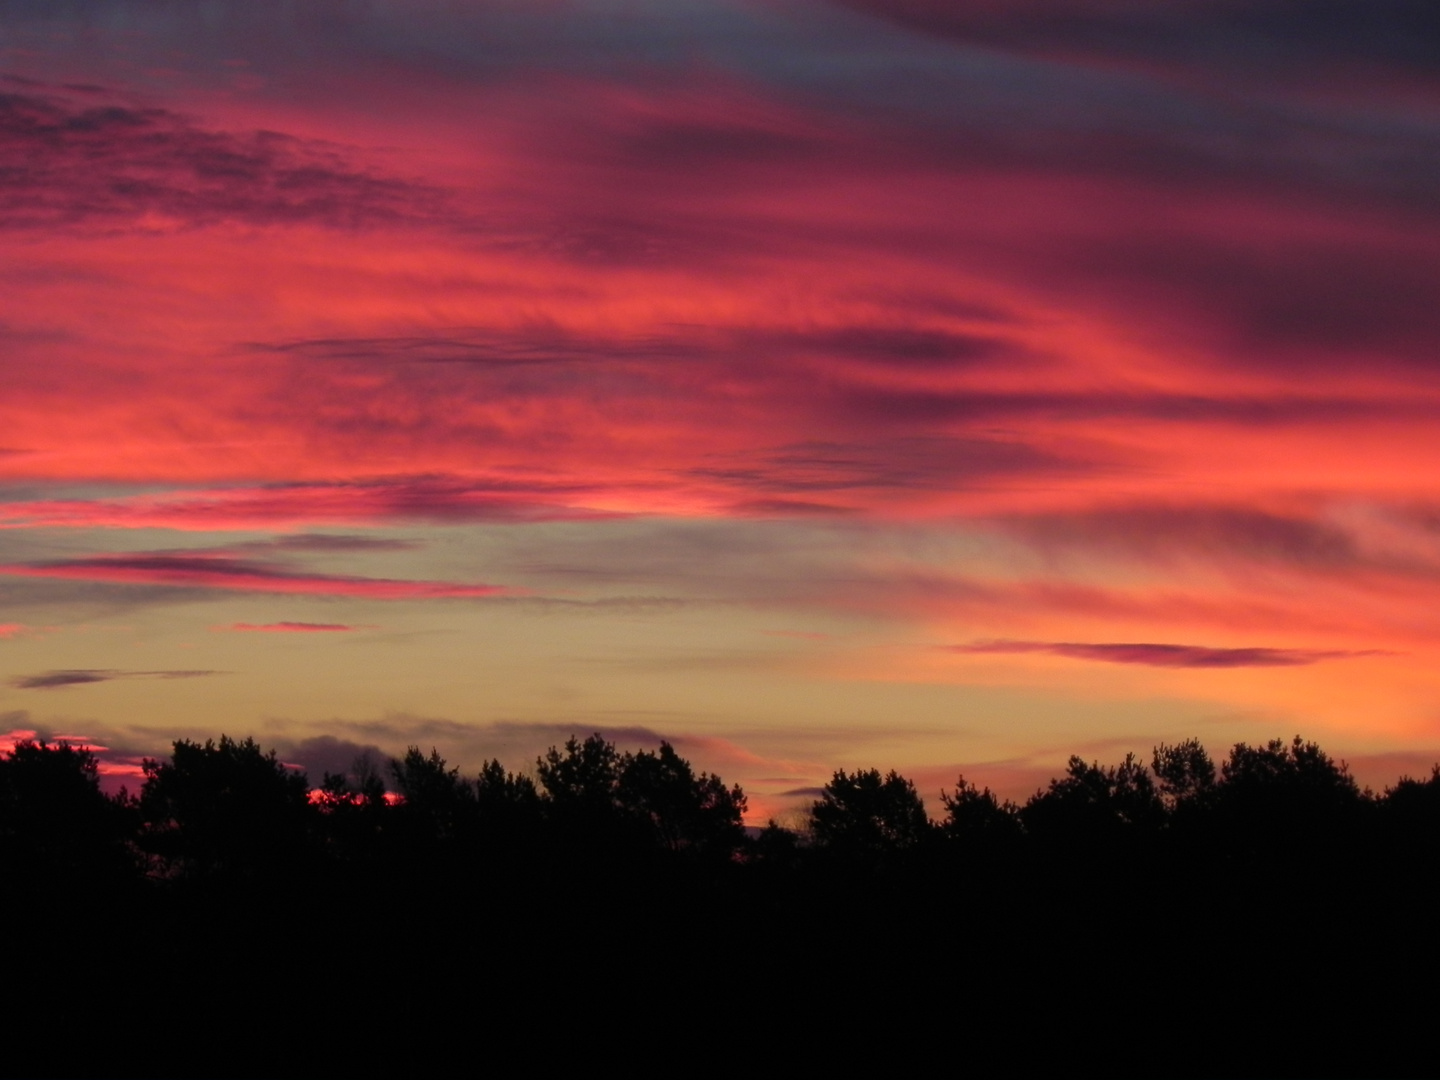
<point>293,627</point>
<point>1369,543</point>
<point>327,542</point>
<point>50,680</point>
<point>221,572</point>
<point>8,739</point>
<point>431,499</point>
<point>53,680</point>
<point>543,346</point>
<point>887,347</point>
<point>114,767</point>
<point>1306,305</point>
<point>10,629</point>
<point>1167,530</point>
<point>106,163</point>
<point>1265,40</point>
<point>886,460</point>
<point>1175,656</point>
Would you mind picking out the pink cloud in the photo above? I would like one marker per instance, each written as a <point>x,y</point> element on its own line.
<point>79,742</point>
<point>8,739</point>
<point>293,627</point>
<point>10,629</point>
<point>106,766</point>
<point>220,572</point>
<point>114,768</point>
<point>121,769</point>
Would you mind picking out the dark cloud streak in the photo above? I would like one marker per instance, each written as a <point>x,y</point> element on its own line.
<point>219,571</point>
<point>111,165</point>
<point>54,680</point>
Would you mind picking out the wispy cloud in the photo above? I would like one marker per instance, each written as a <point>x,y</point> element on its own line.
<point>1165,655</point>
<point>54,680</point>
<point>221,572</point>
<point>79,160</point>
<point>438,499</point>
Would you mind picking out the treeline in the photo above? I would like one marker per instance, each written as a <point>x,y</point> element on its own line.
<point>229,810</point>
<point>1257,916</point>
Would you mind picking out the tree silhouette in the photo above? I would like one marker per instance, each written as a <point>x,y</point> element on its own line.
<point>435,801</point>
<point>583,780</point>
<point>55,822</point>
<point>650,798</point>
<point>977,819</point>
<point>1092,803</point>
<point>1410,822</point>
<point>1281,801</point>
<point>352,810</point>
<point>1184,773</point>
<point>495,787</point>
<point>775,848</point>
<point>864,813</point>
<point>1416,803</point>
<point>680,810</point>
<point>227,808</point>
<point>507,804</point>
<point>1300,771</point>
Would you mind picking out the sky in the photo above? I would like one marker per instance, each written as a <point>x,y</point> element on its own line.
<point>940,385</point>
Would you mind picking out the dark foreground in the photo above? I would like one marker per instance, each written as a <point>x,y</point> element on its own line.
<point>1262,918</point>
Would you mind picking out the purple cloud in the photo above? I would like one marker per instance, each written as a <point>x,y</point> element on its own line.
<point>1164,655</point>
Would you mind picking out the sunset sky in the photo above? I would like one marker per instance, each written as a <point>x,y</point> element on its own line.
<point>938,385</point>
